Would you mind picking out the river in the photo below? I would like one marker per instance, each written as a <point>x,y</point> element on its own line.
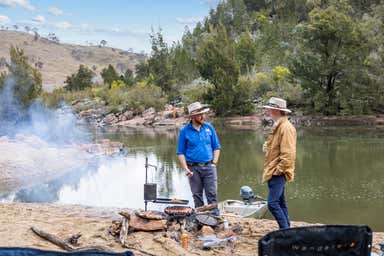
<point>339,173</point>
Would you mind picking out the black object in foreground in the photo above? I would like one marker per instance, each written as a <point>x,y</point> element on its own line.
<point>327,240</point>
<point>18,251</point>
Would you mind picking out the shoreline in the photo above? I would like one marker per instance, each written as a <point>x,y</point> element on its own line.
<point>94,222</point>
<point>174,117</point>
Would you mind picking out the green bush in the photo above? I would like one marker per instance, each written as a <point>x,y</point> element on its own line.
<point>140,98</point>
<point>195,91</point>
<point>80,80</point>
<point>27,81</point>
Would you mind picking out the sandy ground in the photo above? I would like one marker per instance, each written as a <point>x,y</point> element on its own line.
<point>93,223</point>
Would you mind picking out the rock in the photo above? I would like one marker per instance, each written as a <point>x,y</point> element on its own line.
<point>168,114</point>
<point>128,114</point>
<point>149,113</point>
<point>140,224</point>
<point>207,231</point>
<point>114,229</point>
<point>175,235</point>
<point>174,227</point>
<point>110,119</point>
<point>172,247</point>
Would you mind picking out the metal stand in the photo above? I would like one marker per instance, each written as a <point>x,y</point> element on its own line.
<point>146,176</point>
<point>150,194</point>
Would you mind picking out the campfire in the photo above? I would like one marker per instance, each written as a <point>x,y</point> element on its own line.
<point>198,227</point>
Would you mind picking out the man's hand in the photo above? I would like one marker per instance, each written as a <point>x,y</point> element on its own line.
<point>277,173</point>
<point>188,173</point>
<point>265,148</point>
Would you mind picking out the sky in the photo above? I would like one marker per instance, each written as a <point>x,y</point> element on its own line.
<point>124,24</point>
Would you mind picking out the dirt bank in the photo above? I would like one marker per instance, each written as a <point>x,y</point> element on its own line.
<point>93,223</point>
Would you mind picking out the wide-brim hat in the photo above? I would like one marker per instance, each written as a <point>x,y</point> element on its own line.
<point>197,108</point>
<point>278,104</point>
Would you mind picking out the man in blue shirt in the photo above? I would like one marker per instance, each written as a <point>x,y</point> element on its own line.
<point>198,150</point>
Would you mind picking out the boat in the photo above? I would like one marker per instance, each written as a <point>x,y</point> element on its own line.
<point>243,209</point>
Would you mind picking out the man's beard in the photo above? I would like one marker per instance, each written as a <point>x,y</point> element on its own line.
<point>200,121</point>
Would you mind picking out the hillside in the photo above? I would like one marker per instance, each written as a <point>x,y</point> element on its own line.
<point>58,60</point>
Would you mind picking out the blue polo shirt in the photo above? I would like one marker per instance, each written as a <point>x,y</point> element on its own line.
<point>197,146</point>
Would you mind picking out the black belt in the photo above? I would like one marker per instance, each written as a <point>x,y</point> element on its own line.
<point>199,164</point>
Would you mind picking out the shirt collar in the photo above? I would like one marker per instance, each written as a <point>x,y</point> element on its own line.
<point>278,123</point>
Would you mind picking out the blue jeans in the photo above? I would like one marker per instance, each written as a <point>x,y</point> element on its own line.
<point>276,201</point>
<point>204,178</point>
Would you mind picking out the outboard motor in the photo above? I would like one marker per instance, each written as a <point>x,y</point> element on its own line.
<point>246,194</point>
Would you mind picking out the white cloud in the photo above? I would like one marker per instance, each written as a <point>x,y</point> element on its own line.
<point>85,27</point>
<point>62,25</point>
<point>4,20</point>
<point>55,11</point>
<point>211,3</point>
<point>188,20</point>
<point>39,19</point>
<point>21,3</point>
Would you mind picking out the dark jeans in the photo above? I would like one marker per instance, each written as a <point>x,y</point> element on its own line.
<point>276,201</point>
<point>204,178</point>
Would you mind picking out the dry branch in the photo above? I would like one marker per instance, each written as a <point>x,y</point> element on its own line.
<point>64,245</point>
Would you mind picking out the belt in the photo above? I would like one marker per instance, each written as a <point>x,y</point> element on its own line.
<point>199,164</point>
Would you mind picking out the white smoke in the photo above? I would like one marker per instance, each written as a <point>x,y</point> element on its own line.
<point>57,126</point>
<point>38,144</point>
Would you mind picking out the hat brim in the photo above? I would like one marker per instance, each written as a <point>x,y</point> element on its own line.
<point>202,111</point>
<point>281,109</point>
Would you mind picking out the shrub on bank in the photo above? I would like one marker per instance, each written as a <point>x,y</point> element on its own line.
<point>136,98</point>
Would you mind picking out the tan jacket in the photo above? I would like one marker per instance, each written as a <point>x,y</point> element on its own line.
<point>281,150</point>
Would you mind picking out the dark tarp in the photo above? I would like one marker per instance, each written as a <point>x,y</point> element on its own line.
<point>328,240</point>
<point>17,251</point>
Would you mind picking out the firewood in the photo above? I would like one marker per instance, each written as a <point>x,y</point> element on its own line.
<point>149,215</point>
<point>206,207</point>
<point>124,230</point>
<point>64,245</point>
<point>53,239</point>
<point>125,214</point>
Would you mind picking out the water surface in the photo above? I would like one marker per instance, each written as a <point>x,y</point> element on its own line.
<point>339,174</point>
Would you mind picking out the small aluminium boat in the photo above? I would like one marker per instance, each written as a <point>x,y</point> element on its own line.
<point>237,208</point>
<point>251,205</point>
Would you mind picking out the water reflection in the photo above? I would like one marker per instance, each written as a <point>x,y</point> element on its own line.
<point>118,183</point>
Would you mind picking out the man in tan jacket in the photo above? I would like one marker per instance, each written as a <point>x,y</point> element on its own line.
<point>279,162</point>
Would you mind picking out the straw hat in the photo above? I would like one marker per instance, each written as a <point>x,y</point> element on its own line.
<point>197,108</point>
<point>277,103</point>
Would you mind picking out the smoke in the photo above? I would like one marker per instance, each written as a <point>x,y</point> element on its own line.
<point>55,126</point>
<point>10,110</point>
<point>38,144</point>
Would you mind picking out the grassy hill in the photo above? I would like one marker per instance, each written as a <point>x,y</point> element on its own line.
<point>58,60</point>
